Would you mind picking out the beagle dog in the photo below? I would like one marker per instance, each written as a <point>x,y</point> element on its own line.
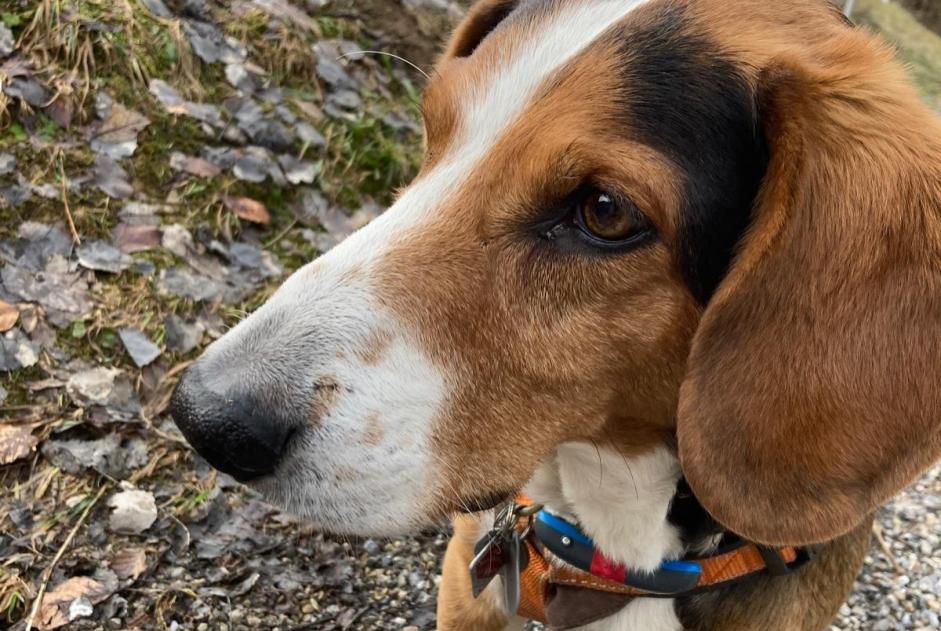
<point>654,245</point>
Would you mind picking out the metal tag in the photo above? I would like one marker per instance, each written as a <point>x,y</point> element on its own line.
<point>510,572</point>
<point>488,560</point>
<point>501,552</point>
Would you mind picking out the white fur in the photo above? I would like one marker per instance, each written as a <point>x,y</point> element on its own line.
<point>622,504</point>
<point>498,104</point>
<point>313,326</point>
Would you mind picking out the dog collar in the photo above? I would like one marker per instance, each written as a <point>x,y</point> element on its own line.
<point>543,558</point>
<point>568,543</point>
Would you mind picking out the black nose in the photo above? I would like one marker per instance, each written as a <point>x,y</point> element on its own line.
<point>233,431</point>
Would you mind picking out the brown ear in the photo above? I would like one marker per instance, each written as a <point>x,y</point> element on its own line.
<point>813,391</point>
<point>481,20</point>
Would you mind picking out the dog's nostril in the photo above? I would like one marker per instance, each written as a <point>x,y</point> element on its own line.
<point>232,432</point>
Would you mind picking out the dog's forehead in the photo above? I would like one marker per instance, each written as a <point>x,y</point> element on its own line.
<point>513,65</point>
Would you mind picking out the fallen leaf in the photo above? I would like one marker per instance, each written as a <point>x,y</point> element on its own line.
<point>8,316</point>
<point>186,284</point>
<point>134,511</point>
<point>103,257</point>
<point>54,610</point>
<point>111,178</point>
<point>248,209</point>
<point>106,455</point>
<point>176,104</point>
<point>61,110</point>
<point>212,45</point>
<point>192,165</point>
<point>117,135</point>
<point>288,13</point>
<point>139,346</point>
<point>93,386</point>
<point>129,563</point>
<point>130,238</point>
<point>16,441</point>
<point>62,293</point>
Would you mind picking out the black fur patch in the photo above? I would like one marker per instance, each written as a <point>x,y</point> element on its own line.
<point>686,99</point>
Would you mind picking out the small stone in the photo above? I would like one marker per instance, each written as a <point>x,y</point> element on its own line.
<point>102,256</point>
<point>177,239</point>
<point>298,171</point>
<point>329,68</point>
<point>93,386</point>
<point>111,178</point>
<point>184,283</point>
<point>134,511</point>
<point>81,607</point>
<point>7,42</point>
<point>7,163</point>
<point>182,336</point>
<point>310,135</point>
<point>138,346</point>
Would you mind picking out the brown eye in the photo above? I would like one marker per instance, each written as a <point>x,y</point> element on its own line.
<point>607,218</point>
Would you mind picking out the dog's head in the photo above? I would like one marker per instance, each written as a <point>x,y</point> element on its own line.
<point>635,220</point>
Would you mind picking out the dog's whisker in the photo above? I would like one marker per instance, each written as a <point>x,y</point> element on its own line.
<point>386,54</point>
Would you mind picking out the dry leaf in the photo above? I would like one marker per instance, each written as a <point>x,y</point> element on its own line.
<point>129,563</point>
<point>54,611</point>
<point>123,125</point>
<point>248,209</point>
<point>16,441</point>
<point>130,238</point>
<point>8,316</point>
<point>192,165</point>
<point>61,110</point>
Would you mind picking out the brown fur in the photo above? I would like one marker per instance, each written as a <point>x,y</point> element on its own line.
<point>457,609</point>
<point>809,382</point>
<point>825,337</point>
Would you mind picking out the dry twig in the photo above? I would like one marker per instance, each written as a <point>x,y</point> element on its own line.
<point>47,573</point>
<point>65,202</point>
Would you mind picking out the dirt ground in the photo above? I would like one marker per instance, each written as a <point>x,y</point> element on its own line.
<point>164,164</point>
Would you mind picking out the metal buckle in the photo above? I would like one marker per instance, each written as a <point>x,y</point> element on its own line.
<point>502,552</point>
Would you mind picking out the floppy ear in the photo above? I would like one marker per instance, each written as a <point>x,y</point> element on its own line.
<point>481,20</point>
<point>813,391</point>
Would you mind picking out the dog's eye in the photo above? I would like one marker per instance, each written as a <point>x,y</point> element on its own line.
<point>608,218</point>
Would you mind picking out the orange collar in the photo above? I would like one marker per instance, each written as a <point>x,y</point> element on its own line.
<point>547,584</point>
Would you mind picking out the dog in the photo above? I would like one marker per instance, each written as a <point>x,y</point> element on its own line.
<point>671,266</point>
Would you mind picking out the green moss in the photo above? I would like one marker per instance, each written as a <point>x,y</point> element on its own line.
<point>367,156</point>
<point>165,134</point>
<point>917,45</point>
<point>16,382</point>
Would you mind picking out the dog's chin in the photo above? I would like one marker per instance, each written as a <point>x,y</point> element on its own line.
<point>359,513</point>
<point>485,501</point>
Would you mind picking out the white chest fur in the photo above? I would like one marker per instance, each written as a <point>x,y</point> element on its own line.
<point>622,504</point>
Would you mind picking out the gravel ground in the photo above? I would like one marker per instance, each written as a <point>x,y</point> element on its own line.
<point>237,146</point>
<point>900,585</point>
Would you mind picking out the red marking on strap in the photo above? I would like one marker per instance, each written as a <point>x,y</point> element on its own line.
<point>606,568</point>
